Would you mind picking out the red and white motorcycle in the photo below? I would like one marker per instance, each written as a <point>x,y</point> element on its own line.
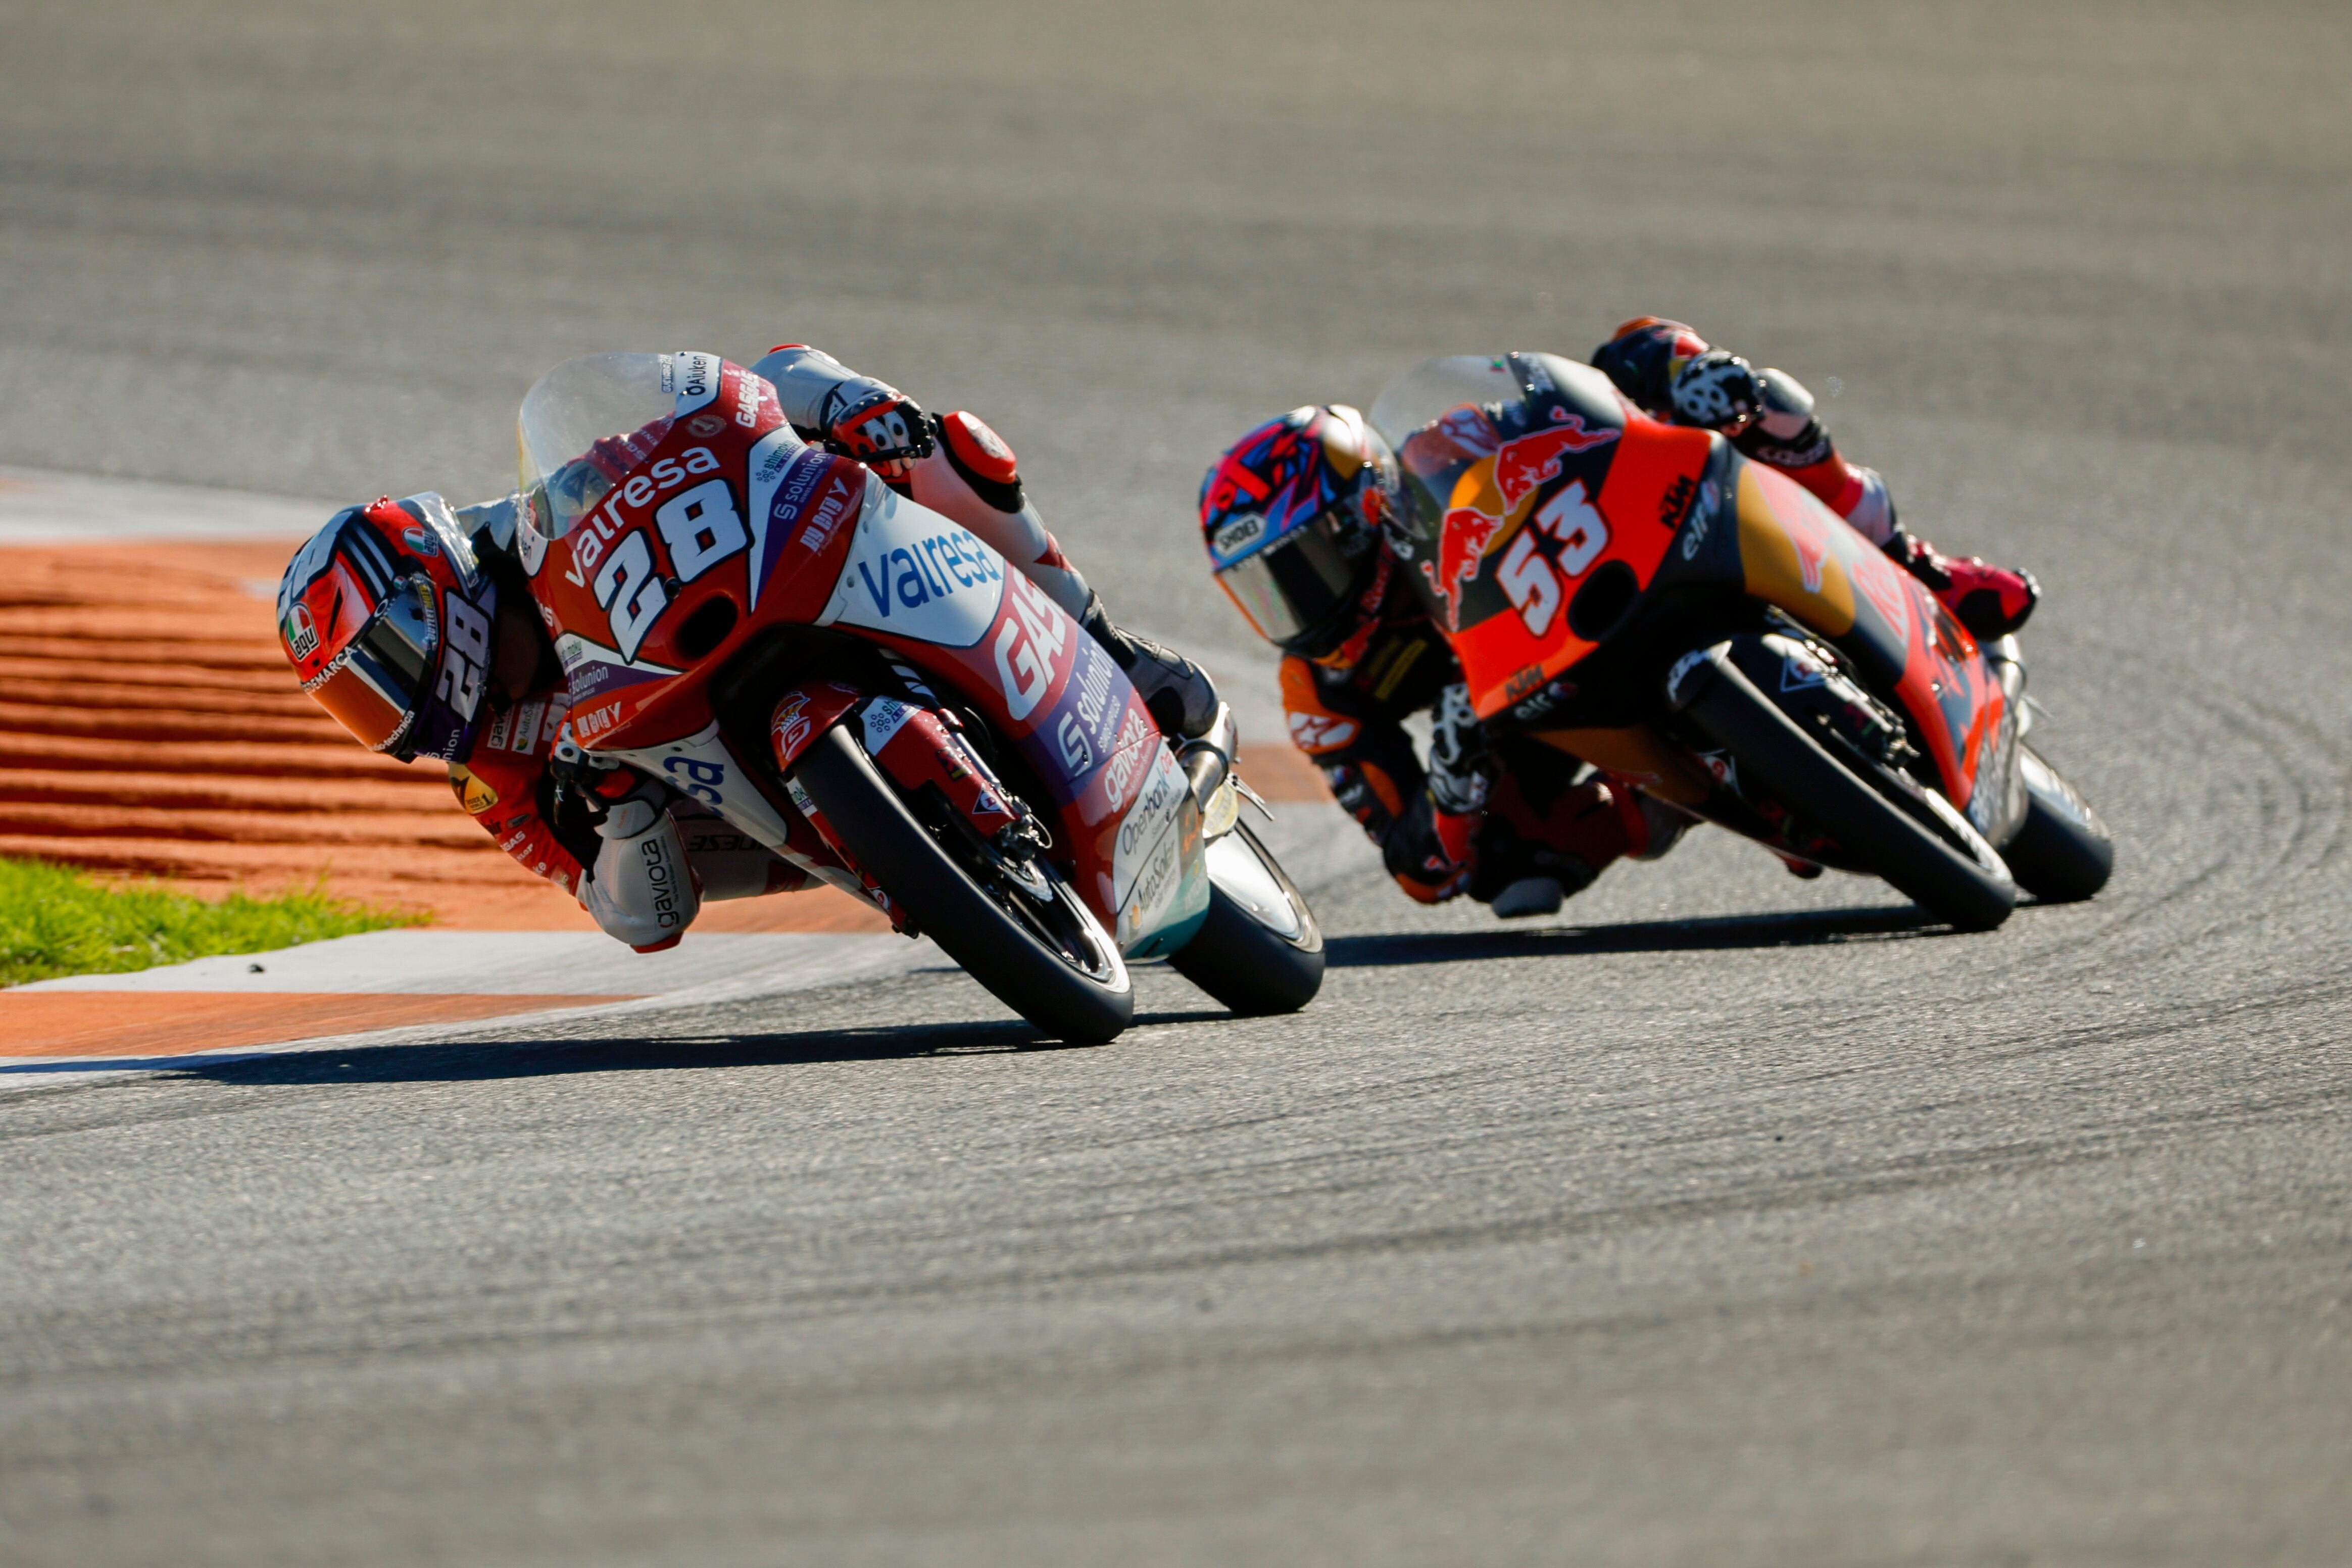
<point>774,632</point>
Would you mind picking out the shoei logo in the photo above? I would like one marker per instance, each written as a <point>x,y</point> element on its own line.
<point>1238,535</point>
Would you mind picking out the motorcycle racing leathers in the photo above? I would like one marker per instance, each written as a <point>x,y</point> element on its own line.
<point>643,856</point>
<point>1670,373</point>
<point>1509,823</point>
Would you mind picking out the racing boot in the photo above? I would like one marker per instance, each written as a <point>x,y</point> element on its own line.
<point>1537,878</point>
<point>1179,693</point>
<point>1990,601</point>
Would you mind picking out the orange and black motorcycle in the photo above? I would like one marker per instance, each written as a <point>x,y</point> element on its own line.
<point>1644,597</point>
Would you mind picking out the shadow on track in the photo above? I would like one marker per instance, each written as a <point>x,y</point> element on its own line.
<point>1810,928</point>
<point>480,1059</point>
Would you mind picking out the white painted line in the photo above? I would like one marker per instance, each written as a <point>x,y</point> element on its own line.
<point>40,508</point>
<point>516,964</point>
<point>790,962</point>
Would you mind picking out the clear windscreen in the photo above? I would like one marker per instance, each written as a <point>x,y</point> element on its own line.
<point>592,419</point>
<point>1436,387</point>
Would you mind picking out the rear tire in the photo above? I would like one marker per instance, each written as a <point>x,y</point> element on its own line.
<point>1236,956</point>
<point>1077,992</point>
<point>2060,854</point>
<point>1957,886</point>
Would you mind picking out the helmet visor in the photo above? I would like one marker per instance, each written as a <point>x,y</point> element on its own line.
<point>1297,587</point>
<point>376,687</point>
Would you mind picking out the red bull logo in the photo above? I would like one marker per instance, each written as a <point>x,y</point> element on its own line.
<point>1887,590</point>
<point>1533,460</point>
<point>1460,548</point>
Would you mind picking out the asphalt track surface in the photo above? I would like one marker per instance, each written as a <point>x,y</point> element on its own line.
<point>1725,1219</point>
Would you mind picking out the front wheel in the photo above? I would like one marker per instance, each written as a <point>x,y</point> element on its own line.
<point>1260,951</point>
<point>1029,938</point>
<point>1953,874</point>
<point>2061,853</point>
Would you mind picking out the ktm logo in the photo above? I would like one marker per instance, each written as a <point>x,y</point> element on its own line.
<point>1675,505</point>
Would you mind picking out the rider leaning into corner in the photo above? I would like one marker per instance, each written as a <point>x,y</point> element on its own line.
<point>1294,515</point>
<point>356,619</point>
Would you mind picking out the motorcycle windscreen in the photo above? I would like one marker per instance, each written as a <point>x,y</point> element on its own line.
<point>1436,387</point>
<point>586,423</point>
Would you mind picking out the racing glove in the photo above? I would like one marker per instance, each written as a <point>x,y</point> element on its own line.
<point>642,890</point>
<point>878,424</point>
<point>1431,851</point>
<point>1716,390</point>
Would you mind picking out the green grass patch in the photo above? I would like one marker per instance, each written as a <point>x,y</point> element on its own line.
<point>55,920</point>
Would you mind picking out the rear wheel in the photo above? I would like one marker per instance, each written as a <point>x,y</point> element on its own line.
<point>1947,868</point>
<point>1019,930</point>
<point>2062,853</point>
<point>1260,950</point>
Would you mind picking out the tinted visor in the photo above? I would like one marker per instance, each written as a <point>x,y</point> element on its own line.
<point>1297,589</point>
<point>376,686</point>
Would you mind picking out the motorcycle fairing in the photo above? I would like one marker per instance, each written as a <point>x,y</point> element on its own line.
<point>1602,521</point>
<point>1638,752</point>
<point>915,576</point>
<point>786,481</point>
<point>1804,559</point>
<point>655,581</point>
<point>701,767</point>
<point>1158,878</point>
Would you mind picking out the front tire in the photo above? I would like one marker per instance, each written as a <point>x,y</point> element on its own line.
<point>1969,888</point>
<point>2061,853</point>
<point>1051,962</point>
<point>1260,951</point>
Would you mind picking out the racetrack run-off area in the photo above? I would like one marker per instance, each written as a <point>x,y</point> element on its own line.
<point>1722,1218</point>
